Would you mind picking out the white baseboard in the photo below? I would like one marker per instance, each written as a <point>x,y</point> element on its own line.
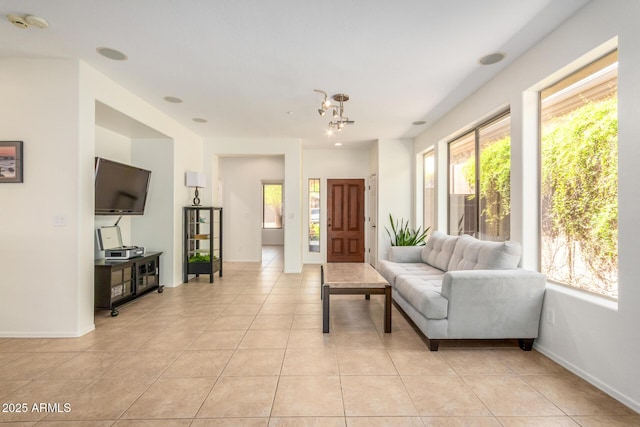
<point>47,334</point>
<point>589,378</point>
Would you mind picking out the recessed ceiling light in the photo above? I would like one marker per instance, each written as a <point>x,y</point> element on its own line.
<point>199,120</point>
<point>107,52</point>
<point>172,99</point>
<point>419,123</point>
<point>338,144</point>
<point>289,113</point>
<point>492,58</point>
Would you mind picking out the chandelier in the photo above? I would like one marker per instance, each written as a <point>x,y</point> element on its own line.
<point>339,120</point>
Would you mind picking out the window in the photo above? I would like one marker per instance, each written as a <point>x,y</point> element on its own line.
<point>314,215</point>
<point>579,179</point>
<point>488,145</point>
<point>429,210</point>
<point>271,205</point>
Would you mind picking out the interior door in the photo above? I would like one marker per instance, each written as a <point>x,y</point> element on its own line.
<point>345,220</point>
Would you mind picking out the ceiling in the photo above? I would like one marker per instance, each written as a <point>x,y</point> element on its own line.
<point>249,67</point>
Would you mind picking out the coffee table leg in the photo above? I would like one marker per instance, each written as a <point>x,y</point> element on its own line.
<point>321,280</point>
<point>325,308</point>
<point>387,309</point>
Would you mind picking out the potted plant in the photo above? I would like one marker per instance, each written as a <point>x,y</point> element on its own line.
<point>402,235</point>
<point>201,264</point>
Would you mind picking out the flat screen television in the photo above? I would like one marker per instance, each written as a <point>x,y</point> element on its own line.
<point>120,189</point>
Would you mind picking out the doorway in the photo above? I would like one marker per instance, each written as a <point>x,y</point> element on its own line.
<point>345,220</point>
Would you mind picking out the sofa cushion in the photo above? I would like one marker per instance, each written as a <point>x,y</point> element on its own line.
<point>438,250</point>
<point>473,254</point>
<point>423,293</point>
<point>391,270</point>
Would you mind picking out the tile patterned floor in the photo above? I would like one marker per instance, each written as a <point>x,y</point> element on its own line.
<point>249,351</point>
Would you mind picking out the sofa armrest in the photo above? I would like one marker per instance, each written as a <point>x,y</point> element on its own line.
<point>494,303</point>
<point>405,253</point>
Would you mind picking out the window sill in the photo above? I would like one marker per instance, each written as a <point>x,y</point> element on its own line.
<point>584,296</point>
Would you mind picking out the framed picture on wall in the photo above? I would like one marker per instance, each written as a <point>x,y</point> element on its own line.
<point>10,161</point>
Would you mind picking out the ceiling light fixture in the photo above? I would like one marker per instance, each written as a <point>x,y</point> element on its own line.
<point>492,58</point>
<point>172,99</point>
<point>107,52</point>
<point>339,119</point>
<point>419,123</point>
<point>199,120</point>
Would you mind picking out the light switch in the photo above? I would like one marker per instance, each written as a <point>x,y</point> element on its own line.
<point>59,221</point>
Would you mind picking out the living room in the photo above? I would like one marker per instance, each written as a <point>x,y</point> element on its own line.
<point>55,106</point>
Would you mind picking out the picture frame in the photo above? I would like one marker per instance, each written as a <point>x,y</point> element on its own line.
<point>11,161</point>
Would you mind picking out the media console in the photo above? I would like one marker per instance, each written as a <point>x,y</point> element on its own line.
<point>119,281</point>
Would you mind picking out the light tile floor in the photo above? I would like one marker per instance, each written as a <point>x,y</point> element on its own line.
<point>249,350</point>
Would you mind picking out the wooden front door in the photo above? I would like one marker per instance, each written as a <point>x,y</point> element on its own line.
<point>345,220</point>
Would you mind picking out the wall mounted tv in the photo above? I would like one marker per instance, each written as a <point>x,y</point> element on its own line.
<point>120,189</point>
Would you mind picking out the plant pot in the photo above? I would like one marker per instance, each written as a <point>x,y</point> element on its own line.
<point>199,268</point>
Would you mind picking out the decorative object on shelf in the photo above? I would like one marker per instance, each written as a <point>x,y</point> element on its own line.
<point>202,242</point>
<point>402,235</point>
<point>339,119</point>
<point>10,161</point>
<point>196,180</point>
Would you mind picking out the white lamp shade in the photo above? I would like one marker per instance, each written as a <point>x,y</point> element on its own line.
<point>196,179</point>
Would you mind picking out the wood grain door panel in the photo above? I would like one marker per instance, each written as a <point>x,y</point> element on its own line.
<point>345,220</point>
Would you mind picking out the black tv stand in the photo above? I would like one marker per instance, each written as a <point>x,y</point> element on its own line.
<point>119,281</point>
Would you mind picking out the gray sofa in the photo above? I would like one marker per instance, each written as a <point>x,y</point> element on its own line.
<point>459,287</point>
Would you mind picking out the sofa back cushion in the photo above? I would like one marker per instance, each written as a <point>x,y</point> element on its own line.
<point>438,250</point>
<point>473,254</point>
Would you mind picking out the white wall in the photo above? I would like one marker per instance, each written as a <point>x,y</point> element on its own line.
<point>242,179</point>
<point>594,338</point>
<point>395,187</point>
<point>150,229</point>
<point>334,163</point>
<point>291,150</point>
<point>39,286</point>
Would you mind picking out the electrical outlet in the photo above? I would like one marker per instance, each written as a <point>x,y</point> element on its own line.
<point>551,316</point>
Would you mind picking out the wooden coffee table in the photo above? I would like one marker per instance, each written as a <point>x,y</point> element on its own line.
<point>353,278</point>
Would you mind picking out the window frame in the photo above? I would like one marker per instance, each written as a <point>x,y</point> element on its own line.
<point>475,130</point>
<point>559,81</point>
<point>430,152</point>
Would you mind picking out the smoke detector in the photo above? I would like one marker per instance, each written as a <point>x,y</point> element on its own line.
<point>36,21</point>
<point>28,21</point>
<point>18,21</point>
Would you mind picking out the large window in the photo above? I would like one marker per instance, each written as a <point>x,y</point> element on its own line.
<point>429,209</point>
<point>271,205</point>
<point>314,215</point>
<point>479,181</point>
<point>579,179</point>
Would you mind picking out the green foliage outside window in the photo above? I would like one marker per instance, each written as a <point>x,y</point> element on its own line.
<point>495,172</point>
<point>579,187</point>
